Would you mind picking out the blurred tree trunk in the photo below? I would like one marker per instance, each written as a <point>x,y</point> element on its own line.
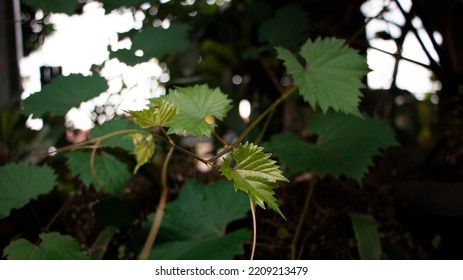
<point>10,81</point>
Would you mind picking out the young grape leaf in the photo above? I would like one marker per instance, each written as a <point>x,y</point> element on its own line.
<point>63,93</point>
<point>255,174</point>
<point>21,182</point>
<point>154,42</point>
<point>286,29</point>
<point>368,239</point>
<point>346,145</point>
<point>195,105</point>
<point>111,173</point>
<point>122,141</point>
<point>144,149</point>
<point>157,115</point>
<point>194,225</point>
<point>54,246</point>
<point>54,6</point>
<point>331,76</point>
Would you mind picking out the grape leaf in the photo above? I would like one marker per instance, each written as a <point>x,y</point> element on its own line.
<point>21,182</point>
<point>63,93</point>
<point>144,149</point>
<point>155,42</point>
<point>122,141</point>
<point>286,29</point>
<point>157,115</point>
<point>195,104</point>
<point>368,239</point>
<point>331,77</point>
<point>194,225</point>
<point>111,172</point>
<point>346,145</point>
<point>54,6</point>
<point>255,174</point>
<point>54,246</point>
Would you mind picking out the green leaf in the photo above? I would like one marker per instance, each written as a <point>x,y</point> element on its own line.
<point>128,57</point>
<point>110,5</point>
<point>331,75</point>
<point>122,141</point>
<point>63,93</point>
<point>157,115</point>
<point>111,173</point>
<point>255,174</point>
<point>195,105</point>
<point>54,246</point>
<point>144,149</point>
<point>54,6</point>
<point>155,42</point>
<point>286,29</point>
<point>346,145</point>
<point>21,182</point>
<point>368,240</point>
<point>194,225</point>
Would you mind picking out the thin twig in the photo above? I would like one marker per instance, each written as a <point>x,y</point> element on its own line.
<point>305,209</point>
<point>219,138</point>
<point>264,129</point>
<point>272,107</point>
<point>57,214</point>
<point>159,210</point>
<point>92,165</point>
<point>254,228</point>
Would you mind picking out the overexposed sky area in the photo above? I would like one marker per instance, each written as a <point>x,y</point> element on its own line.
<point>82,40</point>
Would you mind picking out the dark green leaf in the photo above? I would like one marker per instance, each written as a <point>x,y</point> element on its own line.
<point>21,182</point>
<point>128,57</point>
<point>346,145</point>
<point>195,105</point>
<point>54,246</point>
<point>255,174</point>
<point>155,43</point>
<point>55,6</point>
<point>63,93</point>
<point>286,29</point>
<point>194,225</point>
<point>111,173</point>
<point>331,75</point>
<point>123,141</point>
<point>366,233</point>
<point>110,5</point>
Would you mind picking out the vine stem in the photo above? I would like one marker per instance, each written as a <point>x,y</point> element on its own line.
<point>254,229</point>
<point>305,209</point>
<point>272,107</point>
<point>159,210</point>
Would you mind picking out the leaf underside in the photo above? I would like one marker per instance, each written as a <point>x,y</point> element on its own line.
<point>255,174</point>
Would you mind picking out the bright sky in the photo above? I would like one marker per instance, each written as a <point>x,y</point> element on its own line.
<point>411,76</point>
<point>82,40</point>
